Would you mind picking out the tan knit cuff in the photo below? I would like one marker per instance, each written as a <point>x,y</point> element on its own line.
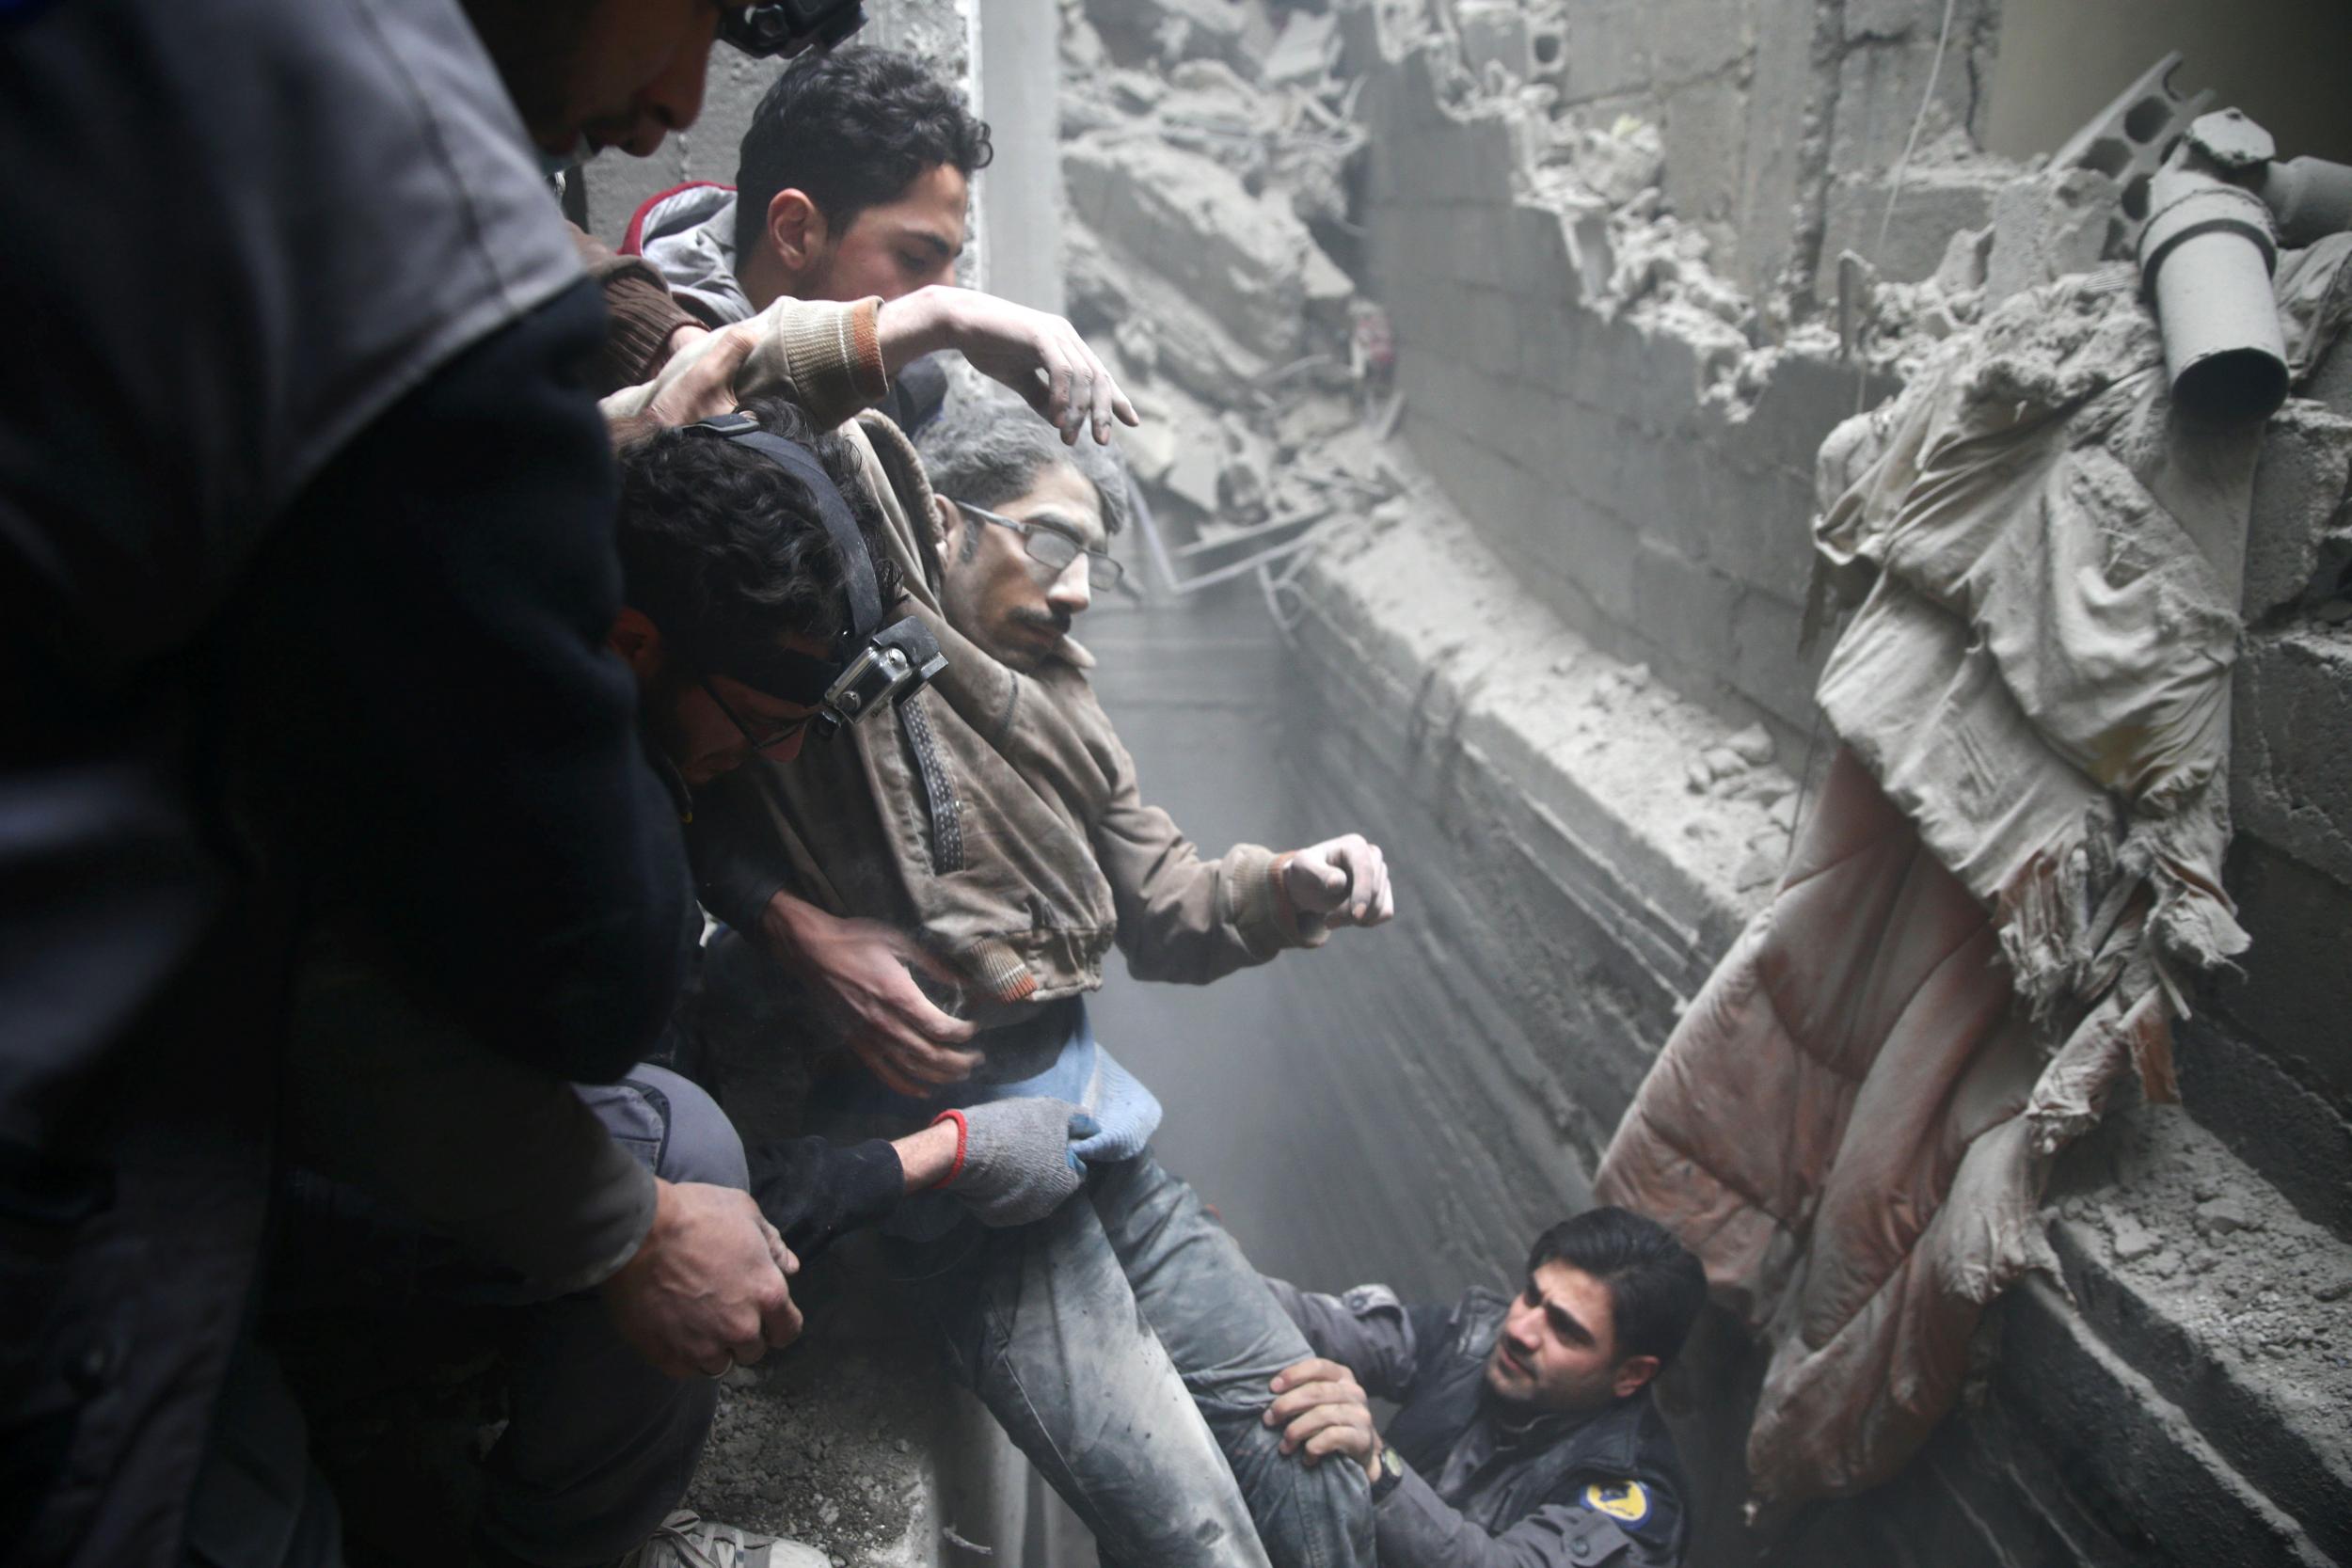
<point>997,972</point>
<point>1254,904</point>
<point>871,377</point>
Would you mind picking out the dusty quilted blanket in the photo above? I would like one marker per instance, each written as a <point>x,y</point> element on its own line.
<point>2009,881</point>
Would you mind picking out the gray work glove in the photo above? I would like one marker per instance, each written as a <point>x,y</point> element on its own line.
<point>1017,1165</point>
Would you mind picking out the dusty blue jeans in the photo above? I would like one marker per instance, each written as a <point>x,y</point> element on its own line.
<point>1126,1345</point>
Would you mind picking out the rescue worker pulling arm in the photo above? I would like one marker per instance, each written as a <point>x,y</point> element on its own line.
<point>1526,1434</point>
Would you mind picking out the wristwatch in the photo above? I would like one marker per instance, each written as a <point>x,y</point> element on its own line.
<point>1392,1472</point>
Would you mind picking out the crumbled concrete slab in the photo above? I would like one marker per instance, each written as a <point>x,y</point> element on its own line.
<point>2299,541</point>
<point>2208,1282</point>
<point>1238,256</point>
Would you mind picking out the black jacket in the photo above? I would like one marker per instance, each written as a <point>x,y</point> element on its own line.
<point>1558,1492</point>
<point>306,567</point>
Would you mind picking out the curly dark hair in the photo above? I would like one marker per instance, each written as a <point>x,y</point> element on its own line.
<point>1655,1286</point>
<point>724,549</point>
<point>851,130</point>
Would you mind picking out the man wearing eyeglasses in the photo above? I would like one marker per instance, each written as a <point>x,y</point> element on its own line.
<point>1121,1340</point>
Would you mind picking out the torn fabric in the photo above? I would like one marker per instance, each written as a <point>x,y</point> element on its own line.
<point>2009,883</point>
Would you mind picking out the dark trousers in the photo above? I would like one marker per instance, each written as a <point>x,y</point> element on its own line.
<point>599,1446</point>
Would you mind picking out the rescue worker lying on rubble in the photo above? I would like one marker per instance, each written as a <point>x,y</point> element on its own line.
<point>732,589</point>
<point>1123,1343</point>
<point>1526,1435</point>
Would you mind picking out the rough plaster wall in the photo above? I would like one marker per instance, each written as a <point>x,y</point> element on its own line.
<point>617,183</point>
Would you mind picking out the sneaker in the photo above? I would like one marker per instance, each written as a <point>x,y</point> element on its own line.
<point>686,1540</point>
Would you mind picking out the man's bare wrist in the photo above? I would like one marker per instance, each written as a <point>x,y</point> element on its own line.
<point>914,325</point>
<point>792,924</point>
<point>925,1158</point>
<point>664,1220</point>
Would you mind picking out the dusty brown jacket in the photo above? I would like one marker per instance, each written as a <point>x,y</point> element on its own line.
<point>1036,853</point>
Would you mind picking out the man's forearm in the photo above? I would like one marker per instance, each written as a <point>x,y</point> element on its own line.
<point>927,1158</point>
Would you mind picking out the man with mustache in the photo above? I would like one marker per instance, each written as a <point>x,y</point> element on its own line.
<point>1123,1342</point>
<point>1525,1435</point>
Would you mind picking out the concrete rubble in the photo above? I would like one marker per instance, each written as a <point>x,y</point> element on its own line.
<point>1207,158</point>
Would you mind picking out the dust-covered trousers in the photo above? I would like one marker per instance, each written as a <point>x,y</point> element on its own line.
<point>599,1446</point>
<point>1127,1347</point>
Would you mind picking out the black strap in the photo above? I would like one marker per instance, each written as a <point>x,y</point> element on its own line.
<point>938,794</point>
<point>857,566</point>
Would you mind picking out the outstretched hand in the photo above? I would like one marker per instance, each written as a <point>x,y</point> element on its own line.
<point>1340,882</point>
<point>1037,355</point>
<point>863,971</point>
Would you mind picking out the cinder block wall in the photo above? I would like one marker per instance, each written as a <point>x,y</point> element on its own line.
<point>1668,525</point>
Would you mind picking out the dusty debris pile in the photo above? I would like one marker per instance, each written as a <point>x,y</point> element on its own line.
<point>1208,158</point>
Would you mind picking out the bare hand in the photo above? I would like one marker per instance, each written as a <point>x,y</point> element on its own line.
<point>1039,355</point>
<point>1341,881</point>
<point>705,389</point>
<point>706,1289</point>
<point>862,970</point>
<point>1322,1410</point>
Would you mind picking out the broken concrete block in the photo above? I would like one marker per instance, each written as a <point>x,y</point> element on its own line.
<point>1136,32</point>
<point>1137,91</point>
<point>1239,257</point>
<point>1245,475</point>
<point>1493,35</point>
<point>1621,162</point>
<point>1150,450</point>
<point>1192,477</point>
<point>2292,702</point>
<point>1309,421</point>
<point>1722,762</point>
<point>2299,539</point>
<point>1932,205</point>
<point>1304,52</point>
<point>1753,746</point>
<point>1965,259</point>
<point>1108,287</point>
<point>2225,1216</point>
<point>2048,225</point>
<point>2133,1240</point>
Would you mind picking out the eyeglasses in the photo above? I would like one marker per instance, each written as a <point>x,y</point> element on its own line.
<point>1049,547</point>
<point>757,740</point>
